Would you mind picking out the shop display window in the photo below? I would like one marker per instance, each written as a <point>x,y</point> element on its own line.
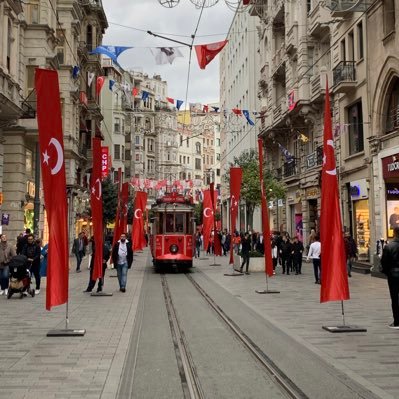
<point>362,228</point>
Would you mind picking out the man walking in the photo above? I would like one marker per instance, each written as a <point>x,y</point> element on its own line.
<point>286,254</point>
<point>390,267</point>
<point>297,251</point>
<point>245,249</point>
<point>314,254</point>
<point>6,253</point>
<point>351,252</point>
<point>122,257</point>
<point>79,249</point>
<point>106,256</point>
<point>32,251</point>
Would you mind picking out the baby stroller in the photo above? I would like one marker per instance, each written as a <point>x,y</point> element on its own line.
<point>19,277</point>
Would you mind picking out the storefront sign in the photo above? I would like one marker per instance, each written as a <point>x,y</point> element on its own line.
<point>5,219</point>
<point>280,203</point>
<point>104,162</point>
<point>390,166</point>
<point>312,193</point>
<point>392,196</point>
<point>358,189</point>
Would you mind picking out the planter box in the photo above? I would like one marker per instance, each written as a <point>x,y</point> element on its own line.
<point>255,264</point>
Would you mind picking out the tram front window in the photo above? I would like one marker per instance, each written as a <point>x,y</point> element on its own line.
<point>169,228</point>
<point>179,222</point>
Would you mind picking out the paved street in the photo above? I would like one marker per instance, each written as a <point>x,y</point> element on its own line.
<point>34,366</point>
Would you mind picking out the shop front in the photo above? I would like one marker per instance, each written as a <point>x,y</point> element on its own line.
<point>311,222</point>
<point>295,222</point>
<point>360,217</point>
<point>390,173</point>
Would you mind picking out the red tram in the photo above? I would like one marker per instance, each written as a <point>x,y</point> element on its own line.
<point>172,233</point>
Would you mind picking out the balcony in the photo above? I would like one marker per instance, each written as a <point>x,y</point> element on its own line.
<point>83,150</point>
<point>318,18</point>
<point>344,77</point>
<point>292,39</point>
<point>341,8</point>
<point>278,59</point>
<point>315,158</point>
<point>290,169</point>
<point>9,97</point>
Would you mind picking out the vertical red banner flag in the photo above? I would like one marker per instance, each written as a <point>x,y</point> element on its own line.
<point>54,184</point>
<point>104,162</point>
<point>124,201</point>
<point>235,187</point>
<point>117,231</point>
<point>334,278</point>
<point>207,218</point>
<point>140,203</point>
<point>265,216</point>
<point>216,237</point>
<point>96,201</point>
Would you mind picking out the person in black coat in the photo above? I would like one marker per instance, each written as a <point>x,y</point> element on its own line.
<point>285,252</point>
<point>297,251</point>
<point>245,249</point>
<point>122,258</point>
<point>390,267</point>
<point>106,256</point>
<point>32,251</point>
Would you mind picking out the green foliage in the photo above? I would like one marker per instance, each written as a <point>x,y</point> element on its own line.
<point>250,187</point>
<point>198,213</point>
<point>110,200</point>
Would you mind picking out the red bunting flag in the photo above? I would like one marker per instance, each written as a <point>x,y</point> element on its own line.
<point>54,184</point>
<point>237,111</point>
<point>207,218</point>
<point>235,188</point>
<point>135,91</point>
<point>96,202</point>
<point>216,238</point>
<point>207,52</point>
<point>99,84</point>
<point>265,216</point>
<point>171,100</point>
<point>140,204</point>
<point>334,278</point>
<point>205,109</point>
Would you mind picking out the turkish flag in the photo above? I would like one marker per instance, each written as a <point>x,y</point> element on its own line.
<point>265,216</point>
<point>96,202</point>
<point>54,184</point>
<point>207,52</point>
<point>99,84</point>
<point>207,218</point>
<point>124,201</point>
<point>334,278</point>
<point>140,203</point>
<point>235,188</point>
<point>217,243</point>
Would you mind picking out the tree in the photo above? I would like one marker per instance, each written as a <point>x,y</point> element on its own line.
<point>110,200</point>
<point>250,187</point>
<point>198,213</point>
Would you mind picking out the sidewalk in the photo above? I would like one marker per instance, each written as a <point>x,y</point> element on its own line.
<point>370,358</point>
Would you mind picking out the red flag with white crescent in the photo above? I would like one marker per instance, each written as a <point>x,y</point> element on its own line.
<point>54,184</point>
<point>207,52</point>
<point>334,278</point>
<point>96,201</point>
<point>207,217</point>
<point>216,237</point>
<point>265,216</point>
<point>138,239</point>
<point>235,187</point>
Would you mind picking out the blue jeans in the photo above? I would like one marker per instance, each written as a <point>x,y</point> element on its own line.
<point>4,275</point>
<point>122,274</point>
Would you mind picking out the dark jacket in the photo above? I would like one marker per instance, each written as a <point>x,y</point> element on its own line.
<point>106,253</point>
<point>285,249</point>
<point>350,247</point>
<point>297,248</point>
<point>245,246</point>
<point>390,259</point>
<point>32,251</point>
<point>129,256</point>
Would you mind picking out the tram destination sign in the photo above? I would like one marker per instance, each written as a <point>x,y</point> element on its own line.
<point>390,166</point>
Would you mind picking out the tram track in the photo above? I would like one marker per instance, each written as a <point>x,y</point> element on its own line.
<point>188,373</point>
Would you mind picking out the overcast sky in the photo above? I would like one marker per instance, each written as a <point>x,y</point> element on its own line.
<point>182,20</point>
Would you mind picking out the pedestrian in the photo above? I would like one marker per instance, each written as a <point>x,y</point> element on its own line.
<point>32,251</point>
<point>245,249</point>
<point>274,255</point>
<point>228,242</point>
<point>7,251</point>
<point>311,238</point>
<point>314,254</point>
<point>122,257</point>
<point>79,249</point>
<point>260,244</point>
<point>106,256</point>
<point>43,261</point>
<point>350,251</point>
<point>390,267</point>
<point>198,244</point>
<point>223,242</point>
<point>285,254</point>
<point>236,242</point>
<point>297,253</point>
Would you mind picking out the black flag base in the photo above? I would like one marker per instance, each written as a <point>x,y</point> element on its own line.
<point>101,293</point>
<point>267,292</point>
<point>67,333</point>
<point>344,329</point>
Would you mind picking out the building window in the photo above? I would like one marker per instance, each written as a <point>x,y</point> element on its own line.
<point>123,153</point>
<point>218,142</point>
<point>137,157</point>
<point>198,147</point>
<point>360,46</point>
<point>218,157</point>
<point>117,125</point>
<point>308,6</point>
<point>137,140</point>
<point>217,172</point>
<point>123,126</point>
<point>89,38</point>
<point>10,39</point>
<point>389,16</point>
<point>117,152</point>
<point>198,163</point>
<point>355,119</point>
<point>32,12</point>
<point>392,115</point>
<point>61,46</point>
<point>188,160</point>
<point>187,142</point>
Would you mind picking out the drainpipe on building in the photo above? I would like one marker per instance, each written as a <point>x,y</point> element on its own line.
<point>36,202</point>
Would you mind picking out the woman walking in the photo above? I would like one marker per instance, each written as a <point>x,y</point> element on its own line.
<point>6,253</point>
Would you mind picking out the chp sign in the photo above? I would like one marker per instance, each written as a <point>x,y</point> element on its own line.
<point>104,162</point>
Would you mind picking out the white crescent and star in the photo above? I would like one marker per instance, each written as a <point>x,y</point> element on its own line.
<point>136,212</point>
<point>331,172</point>
<point>60,156</point>
<point>206,213</point>
<point>99,191</point>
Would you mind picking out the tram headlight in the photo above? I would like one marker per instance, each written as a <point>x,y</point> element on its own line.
<point>173,249</point>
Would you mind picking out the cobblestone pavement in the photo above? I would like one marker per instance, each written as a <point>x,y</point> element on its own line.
<point>370,358</point>
<point>34,366</point>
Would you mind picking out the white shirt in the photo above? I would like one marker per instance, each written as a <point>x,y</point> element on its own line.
<point>122,253</point>
<point>314,250</point>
